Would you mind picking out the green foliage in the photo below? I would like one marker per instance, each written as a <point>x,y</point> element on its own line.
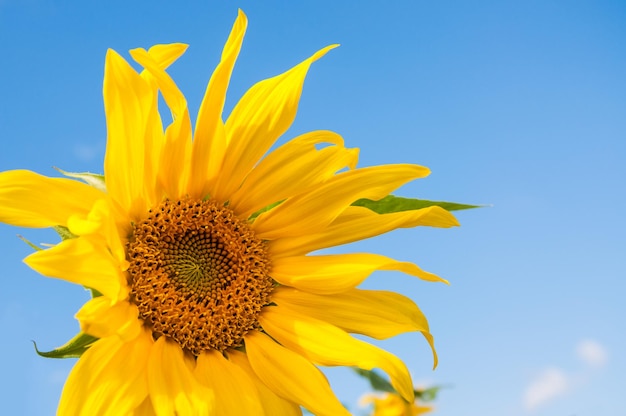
<point>380,383</point>
<point>74,348</point>
<point>267,208</point>
<point>392,203</point>
<point>377,381</point>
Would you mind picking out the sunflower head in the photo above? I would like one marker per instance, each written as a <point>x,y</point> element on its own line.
<point>198,274</point>
<point>201,246</point>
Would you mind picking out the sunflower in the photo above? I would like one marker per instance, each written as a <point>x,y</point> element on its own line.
<point>391,404</point>
<point>197,247</point>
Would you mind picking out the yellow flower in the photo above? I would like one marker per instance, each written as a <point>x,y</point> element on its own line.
<point>390,404</point>
<point>200,248</point>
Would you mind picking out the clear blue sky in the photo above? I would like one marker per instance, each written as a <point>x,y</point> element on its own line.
<point>521,105</point>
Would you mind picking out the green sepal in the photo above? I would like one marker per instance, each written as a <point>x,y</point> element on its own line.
<point>94,293</point>
<point>74,348</point>
<point>64,232</point>
<point>30,244</point>
<point>392,203</point>
<point>377,381</point>
<point>94,179</point>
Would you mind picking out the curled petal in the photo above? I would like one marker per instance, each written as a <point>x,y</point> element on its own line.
<point>326,344</point>
<point>377,314</point>
<point>335,273</point>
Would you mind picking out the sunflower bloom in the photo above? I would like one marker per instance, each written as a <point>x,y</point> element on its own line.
<point>391,404</point>
<point>198,247</point>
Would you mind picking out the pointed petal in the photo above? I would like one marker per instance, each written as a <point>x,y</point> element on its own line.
<point>209,144</point>
<point>358,223</point>
<point>235,392</point>
<point>166,54</point>
<point>82,261</point>
<point>109,378</point>
<point>262,115</point>
<point>292,169</point>
<point>31,200</point>
<point>130,106</point>
<point>175,152</point>
<point>335,273</point>
<point>291,376</point>
<point>173,388</point>
<point>310,212</point>
<point>326,344</point>
<point>100,318</point>
<point>377,314</point>
<point>272,403</point>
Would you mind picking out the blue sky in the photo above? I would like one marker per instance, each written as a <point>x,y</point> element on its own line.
<point>520,105</point>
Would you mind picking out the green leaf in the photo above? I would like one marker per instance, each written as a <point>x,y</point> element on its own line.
<point>74,348</point>
<point>392,203</point>
<point>429,394</point>
<point>93,179</point>
<point>377,381</point>
<point>63,232</point>
<point>30,244</point>
<point>267,208</point>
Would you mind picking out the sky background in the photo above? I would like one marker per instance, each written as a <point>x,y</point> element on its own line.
<point>517,104</point>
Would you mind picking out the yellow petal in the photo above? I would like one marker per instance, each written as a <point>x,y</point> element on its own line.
<point>209,144</point>
<point>358,223</point>
<point>377,314</point>
<point>314,210</point>
<point>166,54</point>
<point>100,222</point>
<point>31,200</point>
<point>326,344</point>
<point>100,318</point>
<point>262,115</point>
<point>291,376</point>
<point>335,273</point>
<point>144,409</point>
<point>272,404</point>
<point>109,378</point>
<point>82,261</point>
<point>292,169</point>
<point>235,392</point>
<point>130,107</point>
<point>175,154</point>
<point>173,388</point>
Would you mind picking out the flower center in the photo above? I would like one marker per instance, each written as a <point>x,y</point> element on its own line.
<point>198,274</point>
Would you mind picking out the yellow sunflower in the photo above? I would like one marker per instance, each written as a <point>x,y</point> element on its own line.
<point>391,404</point>
<point>198,248</point>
